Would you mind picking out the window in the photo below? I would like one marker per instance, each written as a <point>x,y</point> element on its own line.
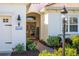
<point>71,24</point>
<point>66,25</point>
<point>31,18</point>
<point>5,20</point>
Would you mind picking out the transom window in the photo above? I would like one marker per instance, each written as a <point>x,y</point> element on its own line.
<point>31,18</point>
<point>71,24</point>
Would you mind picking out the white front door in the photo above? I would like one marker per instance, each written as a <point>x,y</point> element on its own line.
<point>5,33</point>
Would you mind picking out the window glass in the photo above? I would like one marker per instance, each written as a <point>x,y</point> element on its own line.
<point>71,24</point>
<point>66,23</point>
<point>31,18</point>
<point>73,20</point>
<point>73,28</point>
<point>5,20</point>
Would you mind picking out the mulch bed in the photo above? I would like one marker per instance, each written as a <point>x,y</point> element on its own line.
<point>26,53</point>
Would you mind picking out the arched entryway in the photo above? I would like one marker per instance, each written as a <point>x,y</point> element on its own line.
<point>33,26</point>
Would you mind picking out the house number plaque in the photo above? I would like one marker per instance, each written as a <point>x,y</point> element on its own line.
<point>18,27</point>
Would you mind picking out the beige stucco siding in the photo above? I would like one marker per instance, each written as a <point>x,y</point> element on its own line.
<point>55,22</point>
<point>44,28</point>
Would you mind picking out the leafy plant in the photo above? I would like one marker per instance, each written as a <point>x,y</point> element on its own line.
<point>68,52</point>
<point>19,48</point>
<point>29,41</point>
<point>68,41</point>
<point>53,41</point>
<point>69,46</point>
<point>45,53</point>
<point>75,40</point>
<point>30,45</point>
<point>57,53</point>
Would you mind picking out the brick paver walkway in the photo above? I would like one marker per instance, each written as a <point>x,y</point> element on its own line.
<point>41,47</point>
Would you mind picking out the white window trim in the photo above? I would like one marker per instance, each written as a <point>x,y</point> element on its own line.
<point>68,16</point>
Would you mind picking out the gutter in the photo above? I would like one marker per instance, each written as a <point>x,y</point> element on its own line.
<point>60,8</point>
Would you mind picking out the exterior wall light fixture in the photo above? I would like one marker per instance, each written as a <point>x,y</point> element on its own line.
<point>18,19</point>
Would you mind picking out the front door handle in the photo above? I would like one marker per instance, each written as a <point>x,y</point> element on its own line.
<point>8,42</point>
<point>8,25</point>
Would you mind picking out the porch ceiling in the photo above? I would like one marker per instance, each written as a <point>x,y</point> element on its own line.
<point>36,7</point>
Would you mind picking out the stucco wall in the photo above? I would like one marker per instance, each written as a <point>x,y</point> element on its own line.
<point>54,24</point>
<point>18,36</point>
<point>44,27</point>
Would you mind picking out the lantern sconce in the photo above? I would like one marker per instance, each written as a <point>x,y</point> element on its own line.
<point>19,19</point>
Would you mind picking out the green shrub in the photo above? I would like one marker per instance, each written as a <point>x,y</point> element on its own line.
<point>19,48</point>
<point>75,40</point>
<point>30,45</point>
<point>69,46</point>
<point>45,53</point>
<point>68,52</point>
<point>57,53</point>
<point>53,41</point>
<point>29,41</point>
<point>68,41</point>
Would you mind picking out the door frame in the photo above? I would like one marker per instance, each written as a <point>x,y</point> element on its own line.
<point>38,17</point>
